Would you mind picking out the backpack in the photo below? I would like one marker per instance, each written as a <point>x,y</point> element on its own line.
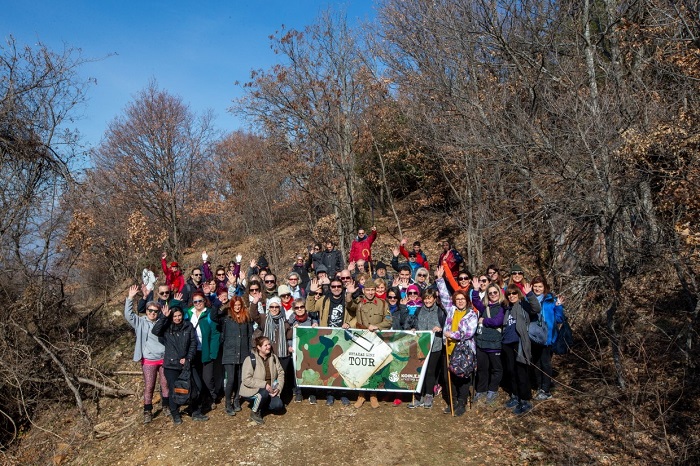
<point>463,360</point>
<point>565,339</point>
<point>184,388</point>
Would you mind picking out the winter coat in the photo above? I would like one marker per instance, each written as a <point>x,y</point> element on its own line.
<point>524,311</point>
<point>237,337</point>
<point>254,380</point>
<point>362,248</point>
<point>180,341</point>
<point>552,315</point>
<point>174,280</point>
<point>322,306</point>
<point>211,335</point>
<point>333,261</point>
<point>374,312</point>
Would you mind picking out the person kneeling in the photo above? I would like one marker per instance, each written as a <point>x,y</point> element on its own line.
<point>263,380</point>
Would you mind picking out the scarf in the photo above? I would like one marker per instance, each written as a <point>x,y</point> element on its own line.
<point>275,332</point>
<point>301,318</point>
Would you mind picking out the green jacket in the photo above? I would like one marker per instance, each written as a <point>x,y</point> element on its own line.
<point>211,335</point>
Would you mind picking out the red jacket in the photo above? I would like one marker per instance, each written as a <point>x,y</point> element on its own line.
<point>175,280</point>
<point>419,259</point>
<point>362,249</point>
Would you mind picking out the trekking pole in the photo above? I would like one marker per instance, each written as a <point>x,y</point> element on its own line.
<point>449,380</point>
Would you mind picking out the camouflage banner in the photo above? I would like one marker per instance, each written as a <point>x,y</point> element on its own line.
<point>360,359</point>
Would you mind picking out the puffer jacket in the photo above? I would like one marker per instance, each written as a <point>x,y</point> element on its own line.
<point>180,341</point>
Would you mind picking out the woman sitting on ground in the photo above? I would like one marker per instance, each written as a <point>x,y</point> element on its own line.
<point>263,380</point>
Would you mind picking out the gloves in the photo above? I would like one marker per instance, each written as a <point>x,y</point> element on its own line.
<point>204,256</point>
<point>239,257</point>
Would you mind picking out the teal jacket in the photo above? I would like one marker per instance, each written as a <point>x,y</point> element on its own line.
<point>211,335</point>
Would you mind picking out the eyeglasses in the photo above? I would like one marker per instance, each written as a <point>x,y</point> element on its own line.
<point>299,307</point>
<point>197,301</point>
<point>516,273</point>
<point>336,286</point>
<point>152,310</point>
<point>493,293</point>
<point>463,278</point>
<point>391,297</point>
<point>422,275</point>
<point>196,274</point>
<point>163,293</point>
<point>512,293</point>
<point>269,281</point>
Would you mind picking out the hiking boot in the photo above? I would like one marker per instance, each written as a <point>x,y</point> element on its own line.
<point>522,408</point>
<point>312,399</point>
<point>480,396</point>
<point>460,409</point>
<point>447,410</point>
<point>198,416</point>
<point>255,416</point>
<point>491,398</point>
<point>177,419</point>
<point>416,403</point>
<point>236,404</point>
<point>330,400</point>
<point>147,417</point>
<point>360,401</point>
<point>298,398</point>
<point>373,401</point>
<point>229,410</point>
<point>428,401</point>
<point>512,402</point>
<point>345,400</point>
<point>542,395</point>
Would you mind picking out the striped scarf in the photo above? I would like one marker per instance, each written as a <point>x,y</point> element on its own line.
<point>276,333</point>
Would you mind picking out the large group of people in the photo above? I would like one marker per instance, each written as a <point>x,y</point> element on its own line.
<point>232,328</point>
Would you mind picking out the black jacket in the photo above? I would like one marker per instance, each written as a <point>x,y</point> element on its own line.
<point>333,261</point>
<point>237,337</point>
<point>180,341</point>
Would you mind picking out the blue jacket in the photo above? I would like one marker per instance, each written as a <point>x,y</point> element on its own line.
<point>552,315</point>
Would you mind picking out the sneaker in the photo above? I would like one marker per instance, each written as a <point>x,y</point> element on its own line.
<point>166,411</point>
<point>513,402</point>
<point>330,400</point>
<point>230,411</point>
<point>428,401</point>
<point>177,419</point>
<point>298,398</point>
<point>416,403</point>
<point>478,397</point>
<point>147,417</point>
<point>255,416</point>
<point>447,410</point>
<point>345,400</point>
<point>542,395</point>
<point>491,398</point>
<point>437,389</point>
<point>236,405</point>
<point>397,402</point>
<point>312,399</point>
<point>522,408</point>
<point>198,416</point>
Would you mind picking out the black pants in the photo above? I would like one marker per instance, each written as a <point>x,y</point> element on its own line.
<point>460,386</point>
<point>489,371</point>
<point>431,372</point>
<point>263,401</point>
<point>213,376</point>
<point>542,360</point>
<point>233,381</point>
<point>517,371</point>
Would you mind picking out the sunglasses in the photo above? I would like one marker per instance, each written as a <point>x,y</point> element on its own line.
<point>286,295</point>
<point>336,286</point>
<point>422,275</point>
<point>512,293</point>
<point>516,273</point>
<point>391,297</point>
<point>412,293</point>
<point>220,274</point>
<point>152,310</point>
<point>293,279</point>
<point>319,293</point>
<point>196,274</point>
<point>163,293</point>
<point>491,273</point>
<point>461,279</point>
<point>197,301</point>
<point>254,289</point>
<point>274,306</point>
<point>493,293</point>
<point>346,278</point>
<point>299,307</point>
<point>483,280</point>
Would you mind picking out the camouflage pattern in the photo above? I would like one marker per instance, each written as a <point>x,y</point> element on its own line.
<point>315,349</point>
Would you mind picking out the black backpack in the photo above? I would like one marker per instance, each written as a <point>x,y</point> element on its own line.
<point>565,339</point>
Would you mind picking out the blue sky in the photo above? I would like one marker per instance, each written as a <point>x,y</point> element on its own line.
<point>196,50</point>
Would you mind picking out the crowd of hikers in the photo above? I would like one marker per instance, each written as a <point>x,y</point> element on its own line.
<point>227,331</point>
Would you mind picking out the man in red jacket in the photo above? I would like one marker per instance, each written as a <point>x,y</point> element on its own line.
<point>173,275</point>
<point>362,245</point>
